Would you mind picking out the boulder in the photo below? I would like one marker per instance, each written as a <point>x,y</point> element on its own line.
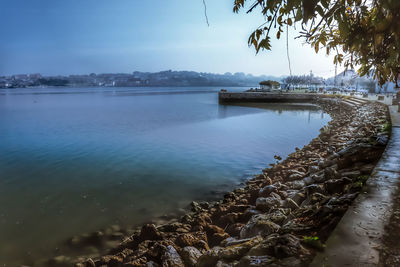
<point>190,255</point>
<point>255,261</point>
<point>259,225</point>
<point>266,203</point>
<point>171,258</point>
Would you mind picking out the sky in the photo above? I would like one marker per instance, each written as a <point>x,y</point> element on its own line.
<point>62,37</point>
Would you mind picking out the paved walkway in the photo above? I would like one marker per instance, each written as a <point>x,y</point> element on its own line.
<point>358,236</point>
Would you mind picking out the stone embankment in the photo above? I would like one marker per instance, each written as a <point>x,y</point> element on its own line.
<point>283,216</point>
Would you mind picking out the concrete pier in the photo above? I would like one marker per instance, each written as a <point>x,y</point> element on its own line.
<point>227,97</point>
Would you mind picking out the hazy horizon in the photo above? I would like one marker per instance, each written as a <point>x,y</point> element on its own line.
<point>99,36</point>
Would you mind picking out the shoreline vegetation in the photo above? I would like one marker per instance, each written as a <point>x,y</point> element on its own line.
<point>282,217</point>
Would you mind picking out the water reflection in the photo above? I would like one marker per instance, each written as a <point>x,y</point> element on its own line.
<point>76,160</point>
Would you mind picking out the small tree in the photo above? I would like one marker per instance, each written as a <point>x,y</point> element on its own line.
<point>361,33</point>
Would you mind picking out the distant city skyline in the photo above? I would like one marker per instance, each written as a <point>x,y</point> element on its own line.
<point>99,36</point>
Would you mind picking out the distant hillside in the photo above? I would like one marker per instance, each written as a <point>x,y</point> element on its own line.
<point>137,79</point>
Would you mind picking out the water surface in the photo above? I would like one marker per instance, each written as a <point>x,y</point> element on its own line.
<point>74,160</point>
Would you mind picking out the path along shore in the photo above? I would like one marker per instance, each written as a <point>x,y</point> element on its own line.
<point>282,217</point>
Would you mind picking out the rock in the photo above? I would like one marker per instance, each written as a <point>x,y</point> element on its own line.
<point>278,246</point>
<point>289,203</point>
<point>171,258</point>
<point>190,255</point>
<point>223,264</point>
<point>382,139</point>
<point>336,185</point>
<point>236,251</point>
<point>210,258</point>
<point>298,184</point>
<point>312,169</point>
<point>351,174</point>
<point>149,232</point>
<point>111,260</point>
<point>266,203</point>
<point>266,190</point>
<point>278,215</point>
<point>367,169</point>
<point>217,238</point>
<point>195,207</point>
<point>331,173</point>
<point>311,189</point>
<point>90,263</point>
<point>295,227</point>
<point>259,225</point>
<point>255,261</point>
<point>299,197</point>
<point>295,176</point>
<point>234,229</point>
<point>287,262</point>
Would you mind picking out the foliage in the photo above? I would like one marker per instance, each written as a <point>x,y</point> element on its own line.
<point>361,33</point>
<point>270,83</point>
<point>53,82</point>
<point>314,242</point>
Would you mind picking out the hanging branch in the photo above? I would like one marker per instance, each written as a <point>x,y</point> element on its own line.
<point>205,12</point>
<point>287,48</point>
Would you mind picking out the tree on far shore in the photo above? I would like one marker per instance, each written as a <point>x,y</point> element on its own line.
<point>363,34</point>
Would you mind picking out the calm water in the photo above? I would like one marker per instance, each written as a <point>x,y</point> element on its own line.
<point>76,160</point>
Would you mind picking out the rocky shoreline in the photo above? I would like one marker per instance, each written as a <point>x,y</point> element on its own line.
<point>282,217</point>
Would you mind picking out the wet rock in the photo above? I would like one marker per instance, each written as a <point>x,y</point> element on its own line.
<point>295,175</point>
<point>190,239</point>
<point>314,188</point>
<point>312,169</point>
<point>278,246</point>
<point>259,225</point>
<point>382,139</point>
<point>288,262</point>
<point>351,174</point>
<point>295,227</point>
<point>289,203</point>
<point>255,261</point>
<point>190,255</point>
<point>266,203</point>
<point>336,185</point>
<point>111,260</point>
<point>171,258</point>
<point>150,232</point>
<point>210,258</point>
<point>236,251</point>
<point>331,173</point>
<point>195,207</point>
<point>234,229</point>
<point>299,184</point>
<point>266,190</point>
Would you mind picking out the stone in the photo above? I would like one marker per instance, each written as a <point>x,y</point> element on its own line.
<point>149,232</point>
<point>266,190</point>
<point>289,203</point>
<point>351,174</point>
<point>279,246</point>
<point>298,184</point>
<point>259,225</point>
<point>266,203</point>
<point>255,261</point>
<point>171,258</point>
<point>190,255</point>
<point>236,251</point>
<point>210,258</point>
<point>336,185</point>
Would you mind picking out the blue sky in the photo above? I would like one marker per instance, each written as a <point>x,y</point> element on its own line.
<point>83,36</point>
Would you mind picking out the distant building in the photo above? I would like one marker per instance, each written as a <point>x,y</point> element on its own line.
<point>269,85</point>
